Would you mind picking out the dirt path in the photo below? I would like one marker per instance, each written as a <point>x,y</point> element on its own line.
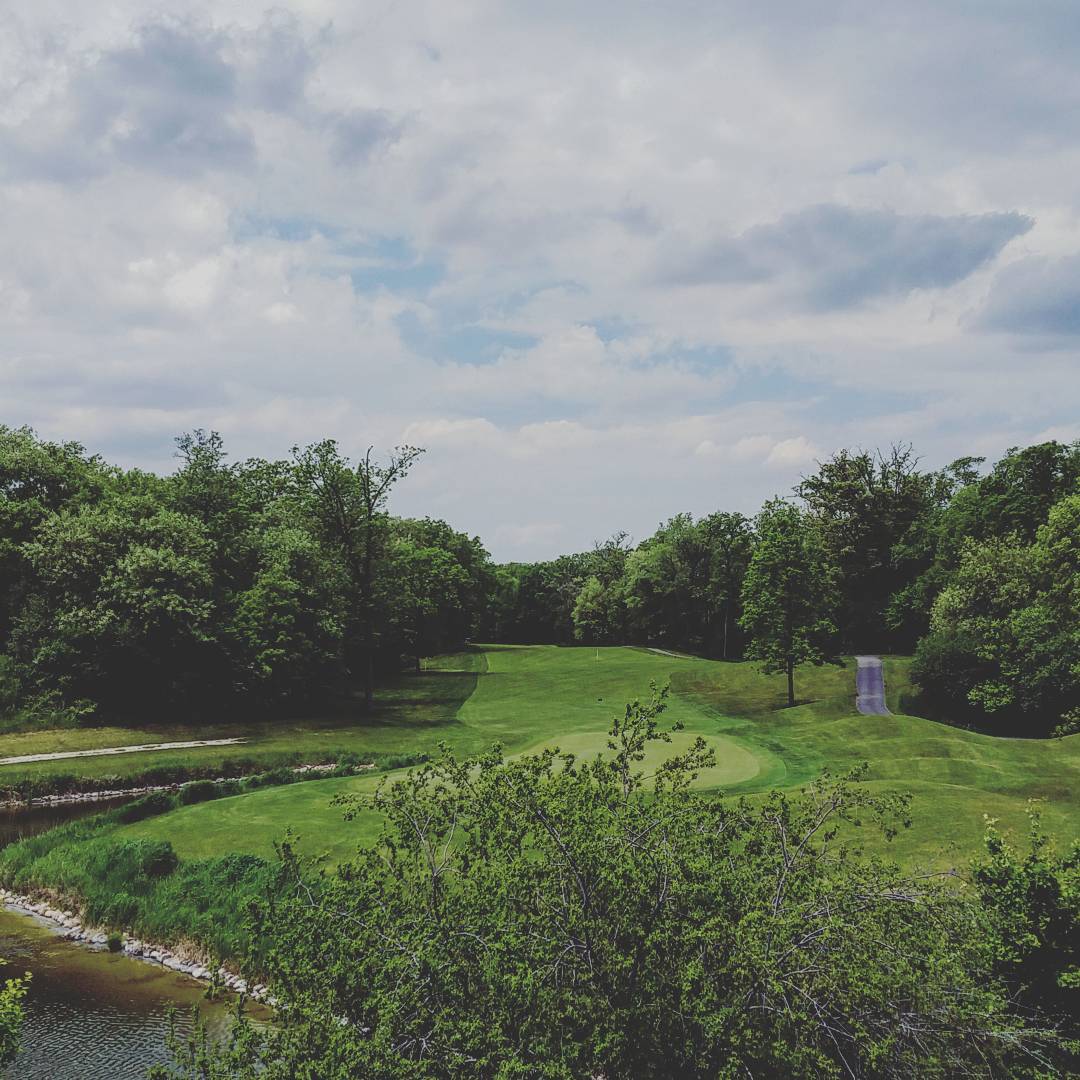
<point>103,751</point>
<point>870,687</point>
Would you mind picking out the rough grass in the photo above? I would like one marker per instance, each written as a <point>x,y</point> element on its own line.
<point>528,697</point>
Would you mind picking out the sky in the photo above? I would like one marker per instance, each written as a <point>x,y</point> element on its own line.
<point>604,262</point>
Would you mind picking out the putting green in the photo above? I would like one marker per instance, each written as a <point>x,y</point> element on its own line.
<point>733,763</point>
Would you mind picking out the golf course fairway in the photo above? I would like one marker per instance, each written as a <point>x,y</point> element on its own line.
<point>530,697</point>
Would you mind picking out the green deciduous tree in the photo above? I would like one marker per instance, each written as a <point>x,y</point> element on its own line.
<point>788,594</point>
<point>346,505</point>
<point>288,624</point>
<point>37,479</point>
<point>425,586</point>
<point>122,606</point>
<point>869,509</point>
<point>666,585</point>
<point>599,611</point>
<point>1015,497</point>
<point>463,592</point>
<point>682,586</point>
<point>543,597</point>
<point>592,612</point>
<point>729,540</point>
<point>1005,630</point>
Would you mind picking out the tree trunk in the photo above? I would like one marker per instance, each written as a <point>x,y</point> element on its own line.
<point>727,619</point>
<point>366,576</point>
<point>790,681</point>
<point>369,679</point>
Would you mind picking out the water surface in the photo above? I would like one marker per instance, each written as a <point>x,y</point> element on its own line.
<point>18,822</point>
<point>90,1013</point>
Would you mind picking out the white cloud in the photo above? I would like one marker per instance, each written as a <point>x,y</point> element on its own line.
<point>753,447</point>
<point>797,451</point>
<point>456,225</point>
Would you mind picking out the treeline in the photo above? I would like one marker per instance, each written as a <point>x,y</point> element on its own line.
<point>273,584</point>
<point>680,588</point>
<point>222,587</point>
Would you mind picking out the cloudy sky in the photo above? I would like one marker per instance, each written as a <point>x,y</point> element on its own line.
<point>605,261</point>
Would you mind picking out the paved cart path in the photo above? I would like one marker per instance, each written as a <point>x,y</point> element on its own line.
<point>870,687</point>
<point>104,750</point>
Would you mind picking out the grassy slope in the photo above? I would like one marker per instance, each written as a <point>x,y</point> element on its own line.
<point>529,697</point>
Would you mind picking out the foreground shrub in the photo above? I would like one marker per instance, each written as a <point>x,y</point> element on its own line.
<point>1033,900</point>
<point>12,1013</point>
<point>549,918</point>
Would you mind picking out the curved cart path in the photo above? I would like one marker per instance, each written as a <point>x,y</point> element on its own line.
<point>870,687</point>
<point>101,751</point>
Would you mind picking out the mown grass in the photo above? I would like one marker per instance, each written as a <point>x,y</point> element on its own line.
<point>530,697</point>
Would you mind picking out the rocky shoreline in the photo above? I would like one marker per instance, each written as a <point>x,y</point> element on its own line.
<point>184,960</point>
<point>135,792</point>
<point>86,796</point>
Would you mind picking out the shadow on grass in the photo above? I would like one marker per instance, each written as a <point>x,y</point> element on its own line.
<point>744,694</point>
<point>429,698</point>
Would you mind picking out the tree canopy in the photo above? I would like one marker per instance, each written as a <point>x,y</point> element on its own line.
<point>225,586</point>
<point>788,594</point>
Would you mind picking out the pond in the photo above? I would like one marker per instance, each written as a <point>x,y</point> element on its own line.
<point>90,1013</point>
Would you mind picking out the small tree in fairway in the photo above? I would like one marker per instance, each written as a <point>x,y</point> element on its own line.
<point>788,594</point>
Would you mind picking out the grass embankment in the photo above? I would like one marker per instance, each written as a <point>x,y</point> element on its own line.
<point>138,884</point>
<point>956,778</point>
<point>531,697</point>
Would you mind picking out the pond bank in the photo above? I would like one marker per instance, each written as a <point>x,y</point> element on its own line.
<point>114,794</point>
<point>92,1014</point>
<point>185,959</point>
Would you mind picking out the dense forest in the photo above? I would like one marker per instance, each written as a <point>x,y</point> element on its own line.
<point>273,585</point>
